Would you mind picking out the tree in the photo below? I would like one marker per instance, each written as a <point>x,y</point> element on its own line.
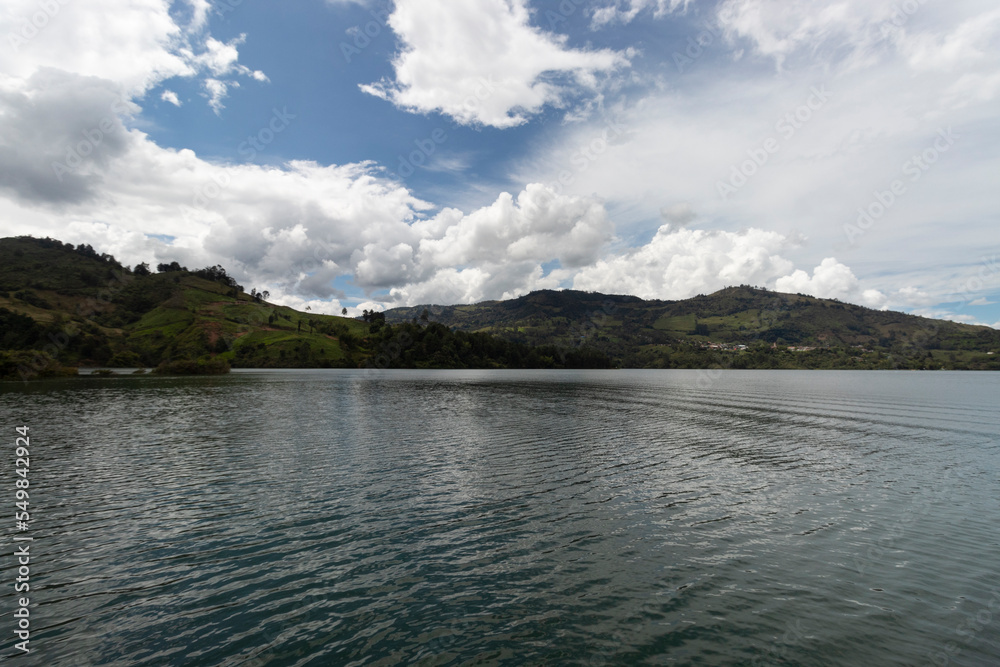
<point>425,316</point>
<point>169,268</point>
<point>141,269</point>
<point>343,311</point>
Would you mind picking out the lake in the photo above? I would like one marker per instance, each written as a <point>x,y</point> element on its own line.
<point>509,517</point>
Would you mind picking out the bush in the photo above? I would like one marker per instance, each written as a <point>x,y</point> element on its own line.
<point>30,364</point>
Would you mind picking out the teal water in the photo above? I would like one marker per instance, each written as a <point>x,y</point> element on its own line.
<point>521,517</point>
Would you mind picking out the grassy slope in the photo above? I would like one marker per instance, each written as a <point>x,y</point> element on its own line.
<point>654,333</point>
<point>147,319</point>
<point>116,318</point>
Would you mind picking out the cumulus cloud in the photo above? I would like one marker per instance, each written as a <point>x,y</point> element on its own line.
<point>135,44</point>
<point>482,63</point>
<point>830,280</point>
<point>70,166</point>
<point>497,251</point>
<point>537,226</point>
<point>297,228</point>
<point>72,169</point>
<point>884,108</point>
<point>59,131</point>
<point>677,264</point>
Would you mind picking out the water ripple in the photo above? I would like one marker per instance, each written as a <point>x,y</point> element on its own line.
<point>329,517</point>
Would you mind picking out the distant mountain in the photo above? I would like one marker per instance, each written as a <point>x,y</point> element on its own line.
<point>63,305</point>
<point>734,327</point>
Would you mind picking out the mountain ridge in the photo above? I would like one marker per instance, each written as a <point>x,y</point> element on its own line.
<point>641,333</point>
<point>64,306</point>
<point>70,305</point>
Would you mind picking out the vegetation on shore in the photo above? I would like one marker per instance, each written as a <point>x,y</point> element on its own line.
<point>28,364</point>
<point>64,306</point>
<point>737,327</point>
<point>81,308</point>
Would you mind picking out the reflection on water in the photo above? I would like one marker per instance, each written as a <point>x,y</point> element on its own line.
<point>334,517</point>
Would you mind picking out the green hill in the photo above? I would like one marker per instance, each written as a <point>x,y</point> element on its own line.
<point>70,306</point>
<point>64,306</point>
<point>737,327</point>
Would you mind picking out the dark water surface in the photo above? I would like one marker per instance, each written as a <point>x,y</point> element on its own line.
<point>510,517</point>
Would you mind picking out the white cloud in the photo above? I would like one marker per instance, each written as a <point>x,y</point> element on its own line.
<point>679,142</point>
<point>913,296</point>
<point>494,252</point>
<point>966,44</point>
<point>538,226</point>
<point>221,59</point>
<point>137,44</point>
<point>830,280</point>
<point>171,96</point>
<point>199,13</point>
<point>677,264</point>
<point>292,229</point>
<point>779,28</point>
<point>982,302</point>
<point>216,91</point>
<point>623,11</point>
<point>297,227</point>
<point>482,63</point>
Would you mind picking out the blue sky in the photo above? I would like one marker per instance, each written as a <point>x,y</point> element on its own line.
<point>372,154</point>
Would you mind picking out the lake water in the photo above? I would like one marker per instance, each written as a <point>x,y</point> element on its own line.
<point>510,517</point>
